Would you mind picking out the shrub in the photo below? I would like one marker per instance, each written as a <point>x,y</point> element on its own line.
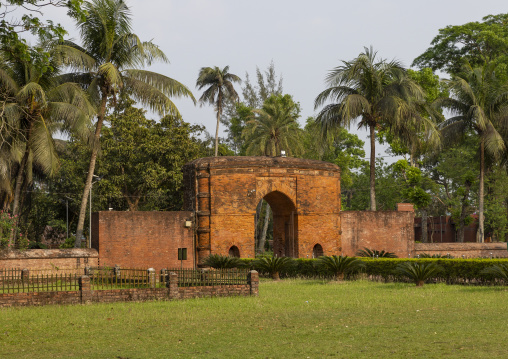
<point>372,253</point>
<point>340,265</point>
<point>426,255</point>
<point>499,271</point>
<point>273,265</point>
<point>418,272</point>
<point>218,261</point>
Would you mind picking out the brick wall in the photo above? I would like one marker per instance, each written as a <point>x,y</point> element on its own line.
<point>49,259</point>
<point>143,239</point>
<point>468,250</point>
<point>85,295</point>
<point>391,231</point>
<point>304,196</point>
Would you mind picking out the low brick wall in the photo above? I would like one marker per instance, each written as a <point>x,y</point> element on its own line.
<point>468,250</point>
<point>85,295</point>
<point>74,258</point>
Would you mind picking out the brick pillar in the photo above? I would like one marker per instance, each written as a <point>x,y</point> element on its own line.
<point>85,289</point>
<point>172,285</point>
<point>151,277</point>
<point>116,270</point>
<point>253,280</point>
<point>25,275</point>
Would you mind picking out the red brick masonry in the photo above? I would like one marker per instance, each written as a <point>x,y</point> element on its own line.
<point>468,250</point>
<point>75,258</point>
<point>86,295</point>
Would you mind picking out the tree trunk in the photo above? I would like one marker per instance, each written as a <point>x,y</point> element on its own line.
<point>462,219</point>
<point>91,169</point>
<point>219,113</point>
<point>480,236</point>
<point>425,238</point>
<point>19,185</point>
<point>372,168</point>
<point>262,240</point>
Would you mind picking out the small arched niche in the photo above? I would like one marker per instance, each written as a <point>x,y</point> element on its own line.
<point>234,252</point>
<point>317,251</point>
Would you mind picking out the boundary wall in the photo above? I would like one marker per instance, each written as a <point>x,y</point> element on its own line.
<point>50,259</point>
<point>172,292</point>
<point>464,250</point>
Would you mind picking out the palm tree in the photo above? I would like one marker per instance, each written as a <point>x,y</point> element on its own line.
<point>220,89</point>
<point>418,272</point>
<point>376,93</point>
<point>111,60</point>
<point>340,265</point>
<point>35,106</point>
<point>478,101</point>
<point>274,128</point>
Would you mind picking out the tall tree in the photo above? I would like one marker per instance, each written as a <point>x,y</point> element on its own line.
<point>478,43</point>
<point>110,60</point>
<point>479,102</point>
<point>220,88</point>
<point>36,106</point>
<point>274,128</point>
<point>377,94</point>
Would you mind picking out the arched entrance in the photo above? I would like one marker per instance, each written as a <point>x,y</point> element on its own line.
<point>285,224</point>
<point>223,193</point>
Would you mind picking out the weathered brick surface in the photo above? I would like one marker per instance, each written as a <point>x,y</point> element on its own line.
<point>143,239</point>
<point>391,231</point>
<point>224,192</point>
<point>49,259</point>
<point>468,250</point>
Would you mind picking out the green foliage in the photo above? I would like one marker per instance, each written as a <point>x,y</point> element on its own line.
<point>418,272</point>
<point>426,255</point>
<point>7,225</point>
<point>476,42</point>
<point>272,265</point>
<point>218,261</point>
<point>497,271</point>
<point>373,253</point>
<point>274,128</point>
<point>340,265</point>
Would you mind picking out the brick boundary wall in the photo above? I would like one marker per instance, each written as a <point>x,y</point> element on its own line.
<point>172,292</point>
<point>75,258</point>
<point>468,250</point>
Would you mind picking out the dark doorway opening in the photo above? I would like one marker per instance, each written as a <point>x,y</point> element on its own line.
<point>234,252</point>
<point>317,251</point>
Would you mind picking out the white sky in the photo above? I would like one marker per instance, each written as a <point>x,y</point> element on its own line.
<point>305,39</point>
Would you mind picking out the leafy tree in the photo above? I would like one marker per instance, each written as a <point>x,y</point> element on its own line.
<point>220,88</point>
<point>12,29</point>
<point>37,105</point>
<point>478,101</point>
<point>237,114</point>
<point>377,94</point>
<point>110,60</point>
<point>478,43</point>
<point>142,160</point>
<point>274,128</point>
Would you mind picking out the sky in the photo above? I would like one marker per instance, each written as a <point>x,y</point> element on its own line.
<point>304,39</point>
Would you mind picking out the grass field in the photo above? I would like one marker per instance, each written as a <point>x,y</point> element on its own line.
<point>289,319</point>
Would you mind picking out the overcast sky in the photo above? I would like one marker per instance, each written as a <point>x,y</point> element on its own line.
<point>304,39</point>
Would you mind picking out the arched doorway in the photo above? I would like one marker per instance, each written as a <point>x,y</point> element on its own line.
<point>317,251</point>
<point>285,224</point>
<point>234,252</point>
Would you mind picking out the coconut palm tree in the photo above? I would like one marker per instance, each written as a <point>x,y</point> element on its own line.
<point>274,128</point>
<point>478,101</point>
<point>36,106</point>
<point>219,89</point>
<point>110,60</point>
<point>377,94</point>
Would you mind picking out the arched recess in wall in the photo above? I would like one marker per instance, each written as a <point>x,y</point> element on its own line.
<point>317,251</point>
<point>234,252</point>
<point>285,224</point>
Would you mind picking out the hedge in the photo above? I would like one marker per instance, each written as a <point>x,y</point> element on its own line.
<point>455,270</point>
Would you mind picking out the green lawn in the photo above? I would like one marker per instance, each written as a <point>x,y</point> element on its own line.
<point>289,319</point>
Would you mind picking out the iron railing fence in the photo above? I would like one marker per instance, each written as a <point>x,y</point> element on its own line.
<point>207,277</point>
<point>19,282</point>
<point>118,278</point>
